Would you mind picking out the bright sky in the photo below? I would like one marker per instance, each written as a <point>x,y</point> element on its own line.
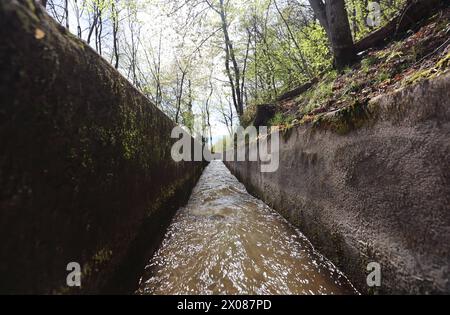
<point>155,19</point>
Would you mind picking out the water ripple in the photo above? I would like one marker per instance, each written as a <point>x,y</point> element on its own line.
<point>227,242</point>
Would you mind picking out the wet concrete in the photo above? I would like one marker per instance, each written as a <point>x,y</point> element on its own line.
<point>225,241</point>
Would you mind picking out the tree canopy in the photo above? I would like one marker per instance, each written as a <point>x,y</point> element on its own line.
<point>203,62</point>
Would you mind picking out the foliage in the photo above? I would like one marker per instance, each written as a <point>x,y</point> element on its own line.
<point>281,119</point>
<point>223,144</point>
<point>175,52</point>
<point>316,96</point>
<point>422,55</point>
<point>359,13</point>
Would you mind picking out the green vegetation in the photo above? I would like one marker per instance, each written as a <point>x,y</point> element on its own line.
<point>281,119</point>
<point>338,101</point>
<point>215,61</point>
<point>315,97</point>
<point>223,144</point>
<point>440,67</point>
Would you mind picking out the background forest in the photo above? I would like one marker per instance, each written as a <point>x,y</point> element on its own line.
<point>205,63</point>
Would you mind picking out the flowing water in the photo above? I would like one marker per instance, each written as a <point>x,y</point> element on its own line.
<point>225,241</point>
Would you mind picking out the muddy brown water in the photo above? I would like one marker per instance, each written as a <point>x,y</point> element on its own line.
<point>226,241</point>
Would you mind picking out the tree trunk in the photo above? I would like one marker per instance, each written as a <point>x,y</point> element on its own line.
<point>231,58</point>
<point>320,13</point>
<point>180,95</point>
<point>333,17</point>
<point>115,29</point>
<point>340,34</point>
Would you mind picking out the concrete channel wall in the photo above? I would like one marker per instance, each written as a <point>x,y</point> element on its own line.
<point>371,184</point>
<point>86,173</point>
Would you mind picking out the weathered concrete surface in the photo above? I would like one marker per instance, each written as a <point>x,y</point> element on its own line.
<point>85,168</point>
<point>375,190</point>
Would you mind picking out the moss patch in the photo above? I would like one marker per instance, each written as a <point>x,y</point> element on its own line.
<point>344,120</point>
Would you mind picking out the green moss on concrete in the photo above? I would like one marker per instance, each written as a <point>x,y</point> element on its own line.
<point>89,270</point>
<point>93,157</point>
<point>168,192</point>
<point>344,120</point>
<point>441,66</point>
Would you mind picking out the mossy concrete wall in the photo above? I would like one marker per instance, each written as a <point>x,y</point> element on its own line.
<point>86,173</point>
<point>372,185</point>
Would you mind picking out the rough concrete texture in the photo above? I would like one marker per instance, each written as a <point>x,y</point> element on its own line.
<point>85,168</point>
<point>377,192</point>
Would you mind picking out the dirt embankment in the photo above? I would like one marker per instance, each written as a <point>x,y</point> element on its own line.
<point>419,54</point>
